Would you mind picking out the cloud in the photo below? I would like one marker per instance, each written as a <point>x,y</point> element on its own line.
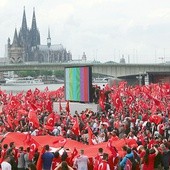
<point>104,29</point>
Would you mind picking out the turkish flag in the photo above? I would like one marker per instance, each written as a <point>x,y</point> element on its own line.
<point>10,121</point>
<point>28,138</point>
<point>60,142</point>
<point>50,119</point>
<point>39,161</point>
<point>36,91</point>
<point>14,103</point>
<point>101,103</point>
<point>156,119</point>
<point>117,101</point>
<point>60,107</point>
<point>49,106</point>
<point>33,144</point>
<point>67,107</point>
<point>90,134</point>
<point>76,128</point>
<point>32,117</point>
<point>29,93</point>
<point>73,154</point>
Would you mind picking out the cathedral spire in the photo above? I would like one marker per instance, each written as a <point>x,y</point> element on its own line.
<point>34,24</point>
<point>24,20</point>
<point>49,39</point>
<point>15,40</point>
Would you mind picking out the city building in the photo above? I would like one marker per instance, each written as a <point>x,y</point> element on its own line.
<point>26,46</point>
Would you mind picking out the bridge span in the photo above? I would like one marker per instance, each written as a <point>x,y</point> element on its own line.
<point>116,70</point>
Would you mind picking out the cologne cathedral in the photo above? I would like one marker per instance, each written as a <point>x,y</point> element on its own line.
<point>26,46</point>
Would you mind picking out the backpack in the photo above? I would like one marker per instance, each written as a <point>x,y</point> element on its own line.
<point>135,163</point>
<point>136,156</point>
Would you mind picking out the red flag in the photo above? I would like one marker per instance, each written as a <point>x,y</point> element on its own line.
<point>39,161</point>
<point>76,128</point>
<point>14,102</point>
<point>33,106</point>
<point>32,117</point>
<point>36,91</point>
<point>60,142</point>
<point>60,107</point>
<point>73,154</point>
<point>101,103</point>
<point>50,120</point>
<point>27,139</point>
<point>46,89</point>
<point>49,106</point>
<point>67,107</point>
<point>90,134</point>
<point>10,121</point>
<point>33,145</point>
<point>117,101</point>
<point>29,93</point>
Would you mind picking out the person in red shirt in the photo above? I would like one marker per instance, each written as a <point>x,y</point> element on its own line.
<point>149,159</point>
<point>3,152</point>
<point>98,158</point>
<point>104,164</point>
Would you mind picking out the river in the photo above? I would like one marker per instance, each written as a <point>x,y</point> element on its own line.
<point>51,87</point>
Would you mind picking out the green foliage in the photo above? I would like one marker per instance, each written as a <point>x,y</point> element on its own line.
<point>59,74</point>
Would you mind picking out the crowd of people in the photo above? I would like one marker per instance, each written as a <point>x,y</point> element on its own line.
<point>139,115</point>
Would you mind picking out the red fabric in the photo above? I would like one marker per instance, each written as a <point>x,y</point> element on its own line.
<point>150,165</point>
<point>67,107</point>
<point>60,142</point>
<point>76,128</point>
<point>60,107</point>
<point>117,101</point>
<point>112,148</point>
<point>33,119</point>
<point>50,119</point>
<point>39,162</point>
<point>73,155</point>
<point>156,119</point>
<point>36,91</point>
<point>28,93</point>
<point>90,134</point>
<point>10,121</point>
<point>49,106</point>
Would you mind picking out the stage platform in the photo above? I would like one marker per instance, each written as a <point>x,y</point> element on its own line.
<point>76,106</point>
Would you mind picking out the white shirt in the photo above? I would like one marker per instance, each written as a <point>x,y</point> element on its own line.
<point>81,162</point>
<point>5,166</point>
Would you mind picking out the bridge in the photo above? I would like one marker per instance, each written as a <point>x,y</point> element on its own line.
<point>116,70</point>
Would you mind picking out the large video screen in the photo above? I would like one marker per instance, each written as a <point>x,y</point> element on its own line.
<point>78,83</point>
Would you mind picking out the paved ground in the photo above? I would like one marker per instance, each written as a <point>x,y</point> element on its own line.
<point>76,106</point>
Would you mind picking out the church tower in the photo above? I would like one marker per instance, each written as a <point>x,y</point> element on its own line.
<point>24,37</point>
<point>15,50</point>
<point>48,39</point>
<point>34,33</point>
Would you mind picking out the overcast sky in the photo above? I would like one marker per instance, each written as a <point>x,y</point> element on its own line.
<point>103,29</point>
